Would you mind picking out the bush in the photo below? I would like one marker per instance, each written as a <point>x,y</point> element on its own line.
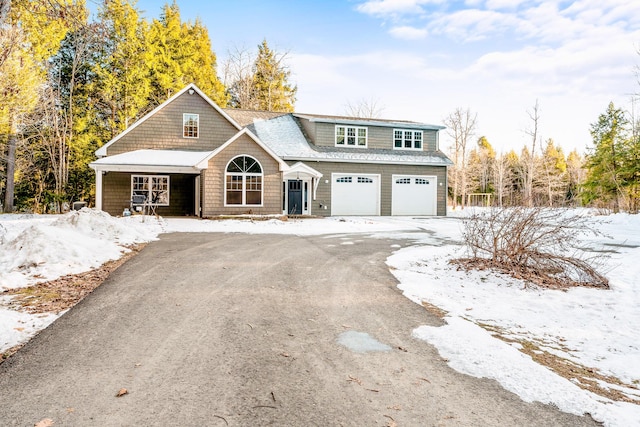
<point>538,245</point>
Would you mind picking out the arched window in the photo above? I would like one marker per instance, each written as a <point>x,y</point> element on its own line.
<point>243,179</point>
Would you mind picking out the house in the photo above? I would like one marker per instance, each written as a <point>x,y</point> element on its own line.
<point>191,157</point>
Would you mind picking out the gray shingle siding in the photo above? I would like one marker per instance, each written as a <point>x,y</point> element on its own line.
<point>163,130</point>
<point>323,195</point>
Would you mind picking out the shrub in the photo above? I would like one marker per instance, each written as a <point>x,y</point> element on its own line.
<point>538,245</point>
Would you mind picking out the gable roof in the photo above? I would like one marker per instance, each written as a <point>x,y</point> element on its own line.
<point>102,151</point>
<point>282,164</point>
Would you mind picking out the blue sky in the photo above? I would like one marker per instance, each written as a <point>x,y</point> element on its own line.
<point>421,59</point>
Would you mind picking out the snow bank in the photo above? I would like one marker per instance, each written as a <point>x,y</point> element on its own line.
<point>75,242</point>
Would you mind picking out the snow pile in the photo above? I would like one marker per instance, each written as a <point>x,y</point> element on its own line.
<point>75,242</point>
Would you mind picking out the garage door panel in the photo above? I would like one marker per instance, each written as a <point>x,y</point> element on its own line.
<point>413,195</point>
<point>355,194</point>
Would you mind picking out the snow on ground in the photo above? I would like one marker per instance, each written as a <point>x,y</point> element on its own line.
<point>595,328</point>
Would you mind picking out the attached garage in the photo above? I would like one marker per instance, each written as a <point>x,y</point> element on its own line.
<point>413,195</point>
<point>355,194</point>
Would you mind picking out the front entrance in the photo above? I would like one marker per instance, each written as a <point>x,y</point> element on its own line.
<point>295,197</point>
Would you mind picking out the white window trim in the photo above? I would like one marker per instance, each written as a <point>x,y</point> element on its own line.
<point>184,119</point>
<point>167,177</point>
<point>357,128</point>
<point>244,183</point>
<point>413,140</point>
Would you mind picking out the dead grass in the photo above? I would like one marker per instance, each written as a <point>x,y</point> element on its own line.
<point>57,295</point>
<point>583,376</point>
<point>435,310</point>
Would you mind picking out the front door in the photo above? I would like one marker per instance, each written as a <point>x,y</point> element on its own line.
<point>295,197</point>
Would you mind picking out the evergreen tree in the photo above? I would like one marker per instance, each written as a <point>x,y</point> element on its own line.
<point>122,80</point>
<point>604,162</point>
<point>180,53</point>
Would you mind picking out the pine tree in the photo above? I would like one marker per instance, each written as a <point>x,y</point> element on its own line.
<point>122,83</point>
<point>604,181</point>
<point>180,53</point>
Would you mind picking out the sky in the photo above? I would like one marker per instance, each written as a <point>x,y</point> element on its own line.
<point>592,327</point>
<point>421,59</point>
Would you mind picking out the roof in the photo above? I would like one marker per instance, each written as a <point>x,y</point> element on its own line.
<point>155,160</point>
<point>177,161</point>
<point>284,136</point>
<point>345,120</point>
<point>246,117</point>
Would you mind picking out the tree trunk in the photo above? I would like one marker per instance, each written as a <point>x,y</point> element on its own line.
<point>11,169</point>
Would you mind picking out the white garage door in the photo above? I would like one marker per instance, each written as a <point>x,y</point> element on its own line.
<point>413,195</point>
<point>353,194</point>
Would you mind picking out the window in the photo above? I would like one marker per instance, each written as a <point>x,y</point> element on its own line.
<point>344,179</point>
<point>403,181</point>
<point>422,181</point>
<point>190,125</point>
<point>154,188</point>
<point>363,180</point>
<point>243,179</point>
<point>350,136</point>
<point>407,139</point>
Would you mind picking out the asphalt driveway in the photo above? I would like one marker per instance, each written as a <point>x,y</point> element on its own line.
<point>244,330</point>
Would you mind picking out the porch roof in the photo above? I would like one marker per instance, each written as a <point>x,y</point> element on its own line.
<point>167,161</point>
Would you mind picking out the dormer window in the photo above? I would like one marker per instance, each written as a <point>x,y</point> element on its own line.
<point>351,136</point>
<point>190,125</point>
<point>407,139</point>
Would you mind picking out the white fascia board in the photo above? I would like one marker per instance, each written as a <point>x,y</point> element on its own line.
<point>145,168</point>
<point>102,151</point>
<point>378,162</point>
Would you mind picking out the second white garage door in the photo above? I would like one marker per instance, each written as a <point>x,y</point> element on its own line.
<point>413,195</point>
<point>355,194</point>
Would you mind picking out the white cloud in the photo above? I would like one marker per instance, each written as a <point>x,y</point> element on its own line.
<point>408,33</point>
<point>472,24</point>
<point>393,7</point>
<point>504,4</point>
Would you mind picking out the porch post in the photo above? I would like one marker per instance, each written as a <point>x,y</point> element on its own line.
<point>98,189</point>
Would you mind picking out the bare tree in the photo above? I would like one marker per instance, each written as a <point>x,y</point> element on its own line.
<point>365,108</point>
<point>461,126</point>
<point>534,116</point>
<point>237,76</point>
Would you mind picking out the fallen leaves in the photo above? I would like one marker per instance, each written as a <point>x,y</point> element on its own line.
<point>47,422</point>
<point>122,392</point>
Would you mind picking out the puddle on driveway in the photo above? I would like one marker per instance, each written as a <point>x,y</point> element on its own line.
<point>361,342</point>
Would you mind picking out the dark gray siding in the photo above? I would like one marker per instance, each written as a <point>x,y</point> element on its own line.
<point>378,137</point>
<point>323,195</point>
